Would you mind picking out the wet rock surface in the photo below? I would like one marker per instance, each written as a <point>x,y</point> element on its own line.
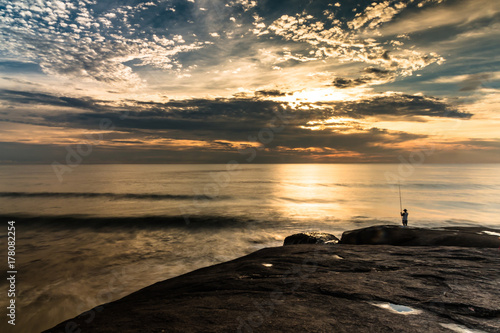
<point>410,236</point>
<point>313,288</point>
<point>311,238</point>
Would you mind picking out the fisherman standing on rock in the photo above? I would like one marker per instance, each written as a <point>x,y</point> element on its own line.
<point>404,215</point>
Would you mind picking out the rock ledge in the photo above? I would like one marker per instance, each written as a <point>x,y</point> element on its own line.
<point>410,236</point>
<point>311,238</point>
<point>311,288</point>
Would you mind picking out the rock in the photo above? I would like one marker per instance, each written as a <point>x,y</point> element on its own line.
<point>410,236</point>
<point>311,238</point>
<point>311,288</point>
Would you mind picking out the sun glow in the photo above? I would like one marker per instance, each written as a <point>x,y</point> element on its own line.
<point>324,95</point>
<point>334,122</point>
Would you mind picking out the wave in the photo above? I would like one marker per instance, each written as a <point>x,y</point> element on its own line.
<point>448,186</point>
<point>114,196</point>
<point>60,222</point>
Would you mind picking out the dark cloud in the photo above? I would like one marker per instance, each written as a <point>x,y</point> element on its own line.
<point>386,55</point>
<point>225,119</point>
<point>475,81</point>
<point>370,75</point>
<point>235,119</point>
<point>21,81</point>
<point>359,141</point>
<point>129,141</point>
<point>222,143</point>
<point>24,97</point>
<point>377,72</point>
<point>400,105</point>
<point>343,83</point>
<point>269,93</point>
<point>223,116</point>
<point>221,122</point>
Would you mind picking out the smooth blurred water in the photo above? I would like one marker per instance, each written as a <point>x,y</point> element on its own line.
<point>204,214</point>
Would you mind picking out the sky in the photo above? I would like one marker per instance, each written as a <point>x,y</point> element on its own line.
<point>261,81</point>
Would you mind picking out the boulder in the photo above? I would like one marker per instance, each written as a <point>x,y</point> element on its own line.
<point>311,238</point>
<point>410,236</point>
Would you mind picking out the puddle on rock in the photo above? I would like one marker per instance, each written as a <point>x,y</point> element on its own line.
<point>397,308</point>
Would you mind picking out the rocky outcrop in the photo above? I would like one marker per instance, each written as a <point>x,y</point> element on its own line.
<point>311,288</point>
<point>409,236</point>
<point>311,238</point>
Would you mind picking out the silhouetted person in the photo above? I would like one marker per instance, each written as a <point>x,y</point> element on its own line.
<point>404,215</point>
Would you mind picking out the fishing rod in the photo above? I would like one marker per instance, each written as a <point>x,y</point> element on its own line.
<point>400,201</point>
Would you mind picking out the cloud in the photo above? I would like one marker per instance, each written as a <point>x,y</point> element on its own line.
<point>135,44</point>
<point>372,76</point>
<point>492,145</point>
<point>376,72</point>
<point>269,93</point>
<point>469,82</point>
<point>475,81</point>
<point>20,81</point>
<point>208,81</point>
<point>342,83</point>
<point>74,40</point>
<point>35,98</point>
<point>227,115</point>
<point>376,14</point>
<point>230,124</point>
<point>218,128</point>
<point>348,45</point>
<point>403,105</point>
<point>246,4</point>
<point>453,13</point>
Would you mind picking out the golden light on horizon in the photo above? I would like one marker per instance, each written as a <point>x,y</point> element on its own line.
<point>324,95</point>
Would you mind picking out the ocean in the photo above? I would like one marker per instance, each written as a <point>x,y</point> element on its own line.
<point>100,232</point>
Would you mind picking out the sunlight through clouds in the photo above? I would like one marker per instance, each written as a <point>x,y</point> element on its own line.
<point>208,76</point>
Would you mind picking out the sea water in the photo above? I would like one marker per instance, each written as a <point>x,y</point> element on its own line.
<point>101,232</point>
